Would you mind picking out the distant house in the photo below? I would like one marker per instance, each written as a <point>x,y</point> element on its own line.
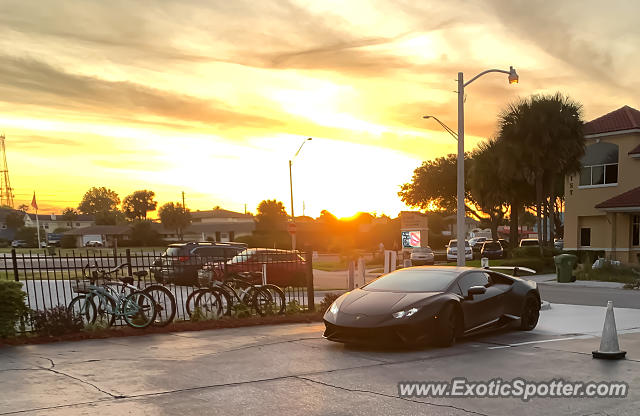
<point>6,233</point>
<point>109,235</point>
<point>217,225</point>
<point>52,221</point>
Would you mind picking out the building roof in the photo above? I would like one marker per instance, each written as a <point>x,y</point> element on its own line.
<point>629,199</point>
<point>101,230</point>
<point>218,213</point>
<point>58,217</point>
<point>624,118</point>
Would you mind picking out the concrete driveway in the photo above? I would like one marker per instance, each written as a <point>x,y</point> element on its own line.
<point>290,369</point>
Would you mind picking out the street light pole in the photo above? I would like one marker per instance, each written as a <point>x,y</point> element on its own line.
<point>460,217</point>
<point>293,218</point>
<point>460,224</point>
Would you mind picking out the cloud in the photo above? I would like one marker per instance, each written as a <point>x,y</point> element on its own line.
<point>31,82</point>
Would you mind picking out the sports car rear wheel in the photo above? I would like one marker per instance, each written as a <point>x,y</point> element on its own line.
<point>446,324</point>
<point>530,313</point>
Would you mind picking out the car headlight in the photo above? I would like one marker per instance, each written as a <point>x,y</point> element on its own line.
<point>404,314</point>
<point>335,306</point>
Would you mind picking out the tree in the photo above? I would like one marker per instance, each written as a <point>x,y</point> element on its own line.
<point>70,215</point>
<point>143,234</point>
<point>15,220</point>
<point>543,138</point>
<point>488,185</point>
<point>175,217</point>
<point>271,217</point>
<point>433,186</point>
<point>102,203</point>
<point>136,205</point>
<point>24,207</point>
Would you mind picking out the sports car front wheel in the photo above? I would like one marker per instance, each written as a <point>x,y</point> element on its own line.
<point>530,313</point>
<point>446,324</point>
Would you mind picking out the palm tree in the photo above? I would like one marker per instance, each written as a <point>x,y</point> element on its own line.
<point>543,139</point>
<point>487,189</point>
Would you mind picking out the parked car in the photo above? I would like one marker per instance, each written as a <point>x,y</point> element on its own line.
<point>476,243</point>
<point>505,246</point>
<point>558,243</point>
<point>180,262</point>
<point>284,267</point>
<point>419,305</point>
<point>93,243</point>
<point>492,250</point>
<point>19,244</point>
<point>452,250</point>
<point>529,242</point>
<point>421,256</point>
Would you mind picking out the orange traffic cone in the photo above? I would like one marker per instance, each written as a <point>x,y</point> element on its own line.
<point>609,347</point>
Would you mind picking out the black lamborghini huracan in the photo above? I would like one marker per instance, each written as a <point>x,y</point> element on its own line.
<point>419,305</point>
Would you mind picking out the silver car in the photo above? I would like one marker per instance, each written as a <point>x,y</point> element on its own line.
<point>421,256</point>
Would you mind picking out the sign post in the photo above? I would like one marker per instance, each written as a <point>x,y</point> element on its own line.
<point>291,228</point>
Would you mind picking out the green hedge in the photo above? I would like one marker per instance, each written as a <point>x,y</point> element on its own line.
<point>539,264</point>
<point>12,307</point>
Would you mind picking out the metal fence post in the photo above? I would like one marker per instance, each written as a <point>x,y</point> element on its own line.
<point>129,268</point>
<point>308,256</point>
<point>14,260</point>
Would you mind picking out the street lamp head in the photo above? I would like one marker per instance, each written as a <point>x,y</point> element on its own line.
<point>310,138</point>
<point>513,76</point>
<point>426,116</point>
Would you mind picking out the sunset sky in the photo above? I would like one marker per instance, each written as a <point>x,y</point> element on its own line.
<point>214,97</point>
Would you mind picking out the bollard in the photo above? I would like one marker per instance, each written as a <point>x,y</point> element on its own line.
<point>350,280</point>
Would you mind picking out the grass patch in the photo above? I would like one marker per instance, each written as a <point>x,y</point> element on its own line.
<point>226,322</point>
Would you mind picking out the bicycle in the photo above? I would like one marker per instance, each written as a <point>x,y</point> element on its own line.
<point>165,301</point>
<point>136,308</point>
<point>221,296</point>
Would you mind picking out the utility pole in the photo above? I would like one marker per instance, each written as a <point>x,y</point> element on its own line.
<point>6,191</point>
<point>183,207</point>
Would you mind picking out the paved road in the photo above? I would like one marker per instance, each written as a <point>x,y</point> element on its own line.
<point>290,369</point>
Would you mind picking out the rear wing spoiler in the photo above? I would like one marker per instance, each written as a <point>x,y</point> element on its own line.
<point>514,269</point>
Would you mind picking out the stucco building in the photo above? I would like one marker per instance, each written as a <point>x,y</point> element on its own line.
<point>602,210</point>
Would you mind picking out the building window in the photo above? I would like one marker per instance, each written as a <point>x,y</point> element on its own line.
<point>585,237</point>
<point>635,230</point>
<point>77,224</point>
<point>599,165</point>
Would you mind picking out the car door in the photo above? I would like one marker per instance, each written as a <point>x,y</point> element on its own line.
<point>480,309</point>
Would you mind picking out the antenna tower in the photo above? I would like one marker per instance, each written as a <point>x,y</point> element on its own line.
<point>6,191</point>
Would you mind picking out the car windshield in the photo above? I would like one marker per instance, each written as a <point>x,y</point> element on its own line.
<point>421,250</point>
<point>492,246</point>
<point>173,251</point>
<point>454,243</point>
<point>412,280</point>
<point>524,243</point>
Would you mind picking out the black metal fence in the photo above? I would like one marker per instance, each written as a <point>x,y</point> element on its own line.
<point>49,279</point>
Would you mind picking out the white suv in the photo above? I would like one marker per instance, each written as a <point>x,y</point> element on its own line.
<point>452,250</point>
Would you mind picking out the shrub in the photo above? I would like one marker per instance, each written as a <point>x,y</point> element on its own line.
<point>539,264</point>
<point>293,307</point>
<point>610,273</point>
<point>68,241</point>
<point>240,310</point>
<point>534,251</point>
<point>55,321</point>
<point>12,307</point>
<point>326,302</point>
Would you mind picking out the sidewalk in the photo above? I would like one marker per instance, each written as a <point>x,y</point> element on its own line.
<point>550,280</point>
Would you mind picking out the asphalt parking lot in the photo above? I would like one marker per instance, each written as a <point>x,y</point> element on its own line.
<point>291,369</point>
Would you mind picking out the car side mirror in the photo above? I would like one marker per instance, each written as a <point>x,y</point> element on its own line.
<point>476,290</point>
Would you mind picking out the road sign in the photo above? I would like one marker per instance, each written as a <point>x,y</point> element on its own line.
<point>291,227</point>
